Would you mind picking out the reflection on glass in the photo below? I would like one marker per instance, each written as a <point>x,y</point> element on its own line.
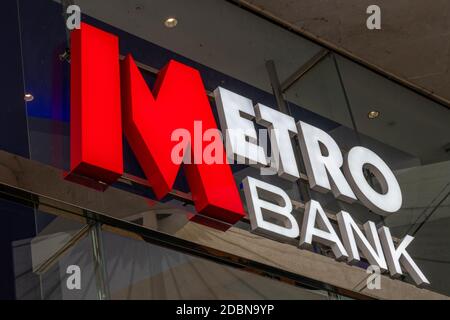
<point>113,266</point>
<point>411,134</point>
<point>139,270</point>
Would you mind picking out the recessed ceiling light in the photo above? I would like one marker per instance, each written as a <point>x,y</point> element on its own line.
<point>171,22</point>
<point>28,97</point>
<point>373,114</point>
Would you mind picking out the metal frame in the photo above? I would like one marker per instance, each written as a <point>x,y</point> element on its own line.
<point>311,63</point>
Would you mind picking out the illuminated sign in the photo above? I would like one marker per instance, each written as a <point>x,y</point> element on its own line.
<point>109,95</point>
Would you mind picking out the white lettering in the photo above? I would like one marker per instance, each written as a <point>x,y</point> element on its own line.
<point>390,200</point>
<point>370,248</point>
<point>282,128</point>
<point>235,115</point>
<point>319,166</point>
<point>399,255</point>
<point>268,201</point>
<point>324,234</point>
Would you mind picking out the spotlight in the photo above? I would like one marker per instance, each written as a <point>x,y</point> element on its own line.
<point>373,114</point>
<point>28,97</point>
<point>171,22</point>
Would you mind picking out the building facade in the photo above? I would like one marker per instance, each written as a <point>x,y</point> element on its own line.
<point>125,241</point>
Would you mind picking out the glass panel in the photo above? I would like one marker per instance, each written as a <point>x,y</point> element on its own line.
<point>320,91</point>
<point>140,270</point>
<point>37,250</point>
<point>45,261</point>
<point>412,135</point>
<point>44,41</point>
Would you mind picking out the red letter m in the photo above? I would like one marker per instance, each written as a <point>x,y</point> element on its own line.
<point>99,109</point>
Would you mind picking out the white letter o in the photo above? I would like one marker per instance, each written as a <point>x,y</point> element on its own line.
<point>384,203</point>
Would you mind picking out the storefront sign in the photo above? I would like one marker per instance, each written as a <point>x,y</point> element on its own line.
<point>163,127</point>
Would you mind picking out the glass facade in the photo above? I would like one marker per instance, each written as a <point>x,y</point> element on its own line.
<point>411,133</point>
<point>117,264</point>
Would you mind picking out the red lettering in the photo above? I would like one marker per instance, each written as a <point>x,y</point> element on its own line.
<point>178,100</point>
